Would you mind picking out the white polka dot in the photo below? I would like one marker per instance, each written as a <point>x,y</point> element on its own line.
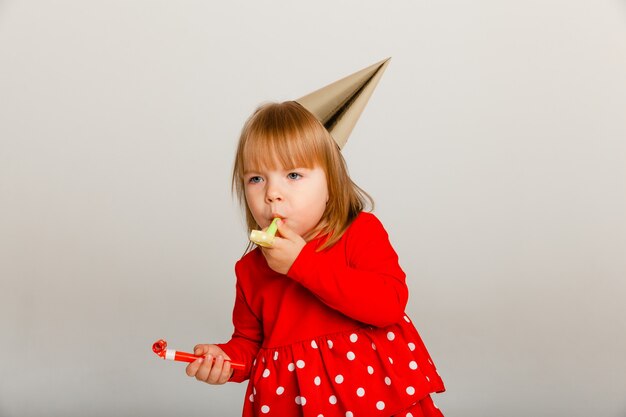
<point>411,346</point>
<point>391,336</point>
<point>291,367</point>
<point>351,355</point>
<point>387,380</point>
<point>251,398</point>
<point>280,390</point>
<point>275,355</point>
<point>413,365</point>
<point>330,344</point>
<point>427,378</point>
<point>373,346</point>
<point>390,360</point>
<point>332,399</point>
<point>320,415</point>
<point>265,409</point>
<point>266,373</point>
<point>263,359</point>
<point>370,370</point>
<point>300,364</point>
<point>254,362</point>
<point>360,392</point>
<point>349,414</point>
<point>406,318</point>
<point>254,390</point>
<point>410,390</point>
<point>380,405</point>
<point>409,415</point>
<point>354,337</point>
<point>317,381</point>
<point>300,400</point>
<point>339,379</point>
<point>313,344</point>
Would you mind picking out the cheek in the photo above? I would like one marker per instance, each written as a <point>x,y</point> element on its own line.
<point>252,199</point>
<point>320,203</point>
<point>324,193</point>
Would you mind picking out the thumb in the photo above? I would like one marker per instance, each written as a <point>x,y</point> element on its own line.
<point>200,350</point>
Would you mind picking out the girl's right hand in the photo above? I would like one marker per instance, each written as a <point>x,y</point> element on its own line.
<point>205,369</point>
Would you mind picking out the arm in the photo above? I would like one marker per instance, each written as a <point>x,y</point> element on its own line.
<point>247,337</point>
<point>368,286</point>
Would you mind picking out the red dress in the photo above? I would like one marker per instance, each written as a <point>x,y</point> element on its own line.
<point>330,338</point>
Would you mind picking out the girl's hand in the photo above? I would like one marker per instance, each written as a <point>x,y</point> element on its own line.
<point>285,249</point>
<point>205,370</point>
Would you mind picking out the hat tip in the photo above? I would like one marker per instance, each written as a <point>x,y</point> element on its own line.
<point>339,105</point>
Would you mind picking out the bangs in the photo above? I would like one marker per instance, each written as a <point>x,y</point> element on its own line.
<point>272,152</point>
<point>283,136</point>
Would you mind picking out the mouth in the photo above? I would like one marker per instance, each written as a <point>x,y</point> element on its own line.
<point>282,219</point>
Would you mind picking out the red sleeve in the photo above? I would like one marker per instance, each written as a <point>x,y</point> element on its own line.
<point>247,337</point>
<point>367,284</point>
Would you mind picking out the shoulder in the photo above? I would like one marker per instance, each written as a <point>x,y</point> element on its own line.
<point>364,231</point>
<point>367,241</point>
<point>366,222</point>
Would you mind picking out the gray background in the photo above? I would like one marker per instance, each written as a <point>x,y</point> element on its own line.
<point>494,146</point>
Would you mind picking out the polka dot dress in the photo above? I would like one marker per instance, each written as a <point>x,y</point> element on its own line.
<point>364,372</point>
<point>328,339</point>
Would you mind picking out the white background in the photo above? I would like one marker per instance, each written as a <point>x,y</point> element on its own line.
<point>494,146</point>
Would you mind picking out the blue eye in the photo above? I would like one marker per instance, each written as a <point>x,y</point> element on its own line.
<point>255,180</point>
<point>294,176</point>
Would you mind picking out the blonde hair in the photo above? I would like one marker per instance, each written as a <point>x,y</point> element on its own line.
<point>288,134</point>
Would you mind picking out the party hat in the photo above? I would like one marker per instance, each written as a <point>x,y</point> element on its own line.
<point>339,105</point>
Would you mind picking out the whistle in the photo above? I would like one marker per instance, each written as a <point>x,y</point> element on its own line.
<point>160,348</point>
<point>265,238</point>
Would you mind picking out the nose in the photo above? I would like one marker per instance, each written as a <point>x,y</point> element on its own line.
<point>273,193</point>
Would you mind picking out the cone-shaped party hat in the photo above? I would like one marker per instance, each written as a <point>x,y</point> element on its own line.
<point>339,105</point>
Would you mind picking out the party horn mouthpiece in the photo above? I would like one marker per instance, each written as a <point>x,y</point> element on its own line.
<point>265,238</point>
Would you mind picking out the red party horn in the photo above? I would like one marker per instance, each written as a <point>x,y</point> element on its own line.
<point>160,348</point>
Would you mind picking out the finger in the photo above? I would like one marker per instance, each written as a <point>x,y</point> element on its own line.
<point>226,373</point>
<point>192,368</point>
<point>200,350</point>
<point>286,232</point>
<point>216,372</point>
<point>205,368</point>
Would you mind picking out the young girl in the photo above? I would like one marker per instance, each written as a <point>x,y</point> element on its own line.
<point>319,316</point>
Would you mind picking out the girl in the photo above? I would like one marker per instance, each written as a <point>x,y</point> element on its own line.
<point>319,316</point>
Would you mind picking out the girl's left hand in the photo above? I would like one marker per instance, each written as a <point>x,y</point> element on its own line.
<point>207,370</point>
<point>284,250</point>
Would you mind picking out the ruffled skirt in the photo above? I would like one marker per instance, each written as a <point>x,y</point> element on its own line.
<point>364,372</point>
<point>423,408</point>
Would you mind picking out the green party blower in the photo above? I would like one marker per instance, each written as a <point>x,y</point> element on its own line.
<point>265,238</point>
